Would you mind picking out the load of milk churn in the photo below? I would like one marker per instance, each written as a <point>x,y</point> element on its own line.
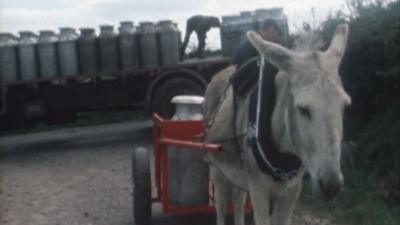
<point>234,27</point>
<point>71,53</point>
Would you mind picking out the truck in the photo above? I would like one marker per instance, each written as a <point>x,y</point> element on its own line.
<point>60,96</point>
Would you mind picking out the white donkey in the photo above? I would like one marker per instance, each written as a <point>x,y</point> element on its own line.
<point>306,122</point>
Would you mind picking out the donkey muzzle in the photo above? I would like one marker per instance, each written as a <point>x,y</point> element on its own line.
<point>330,184</point>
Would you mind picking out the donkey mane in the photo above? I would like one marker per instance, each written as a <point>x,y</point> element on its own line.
<point>308,42</point>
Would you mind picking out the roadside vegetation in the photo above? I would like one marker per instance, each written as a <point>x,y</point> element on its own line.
<point>370,73</point>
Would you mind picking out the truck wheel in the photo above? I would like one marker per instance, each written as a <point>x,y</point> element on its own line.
<point>141,187</point>
<point>162,97</point>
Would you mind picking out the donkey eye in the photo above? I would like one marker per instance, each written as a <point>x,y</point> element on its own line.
<point>304,111</point>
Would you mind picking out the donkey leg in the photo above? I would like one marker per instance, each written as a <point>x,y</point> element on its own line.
<point>220,194</point>
<point>260,199</point>
<point>284,206</point>
<point>239,200</point>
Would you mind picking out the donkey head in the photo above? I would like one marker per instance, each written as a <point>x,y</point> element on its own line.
<point>308,116</point>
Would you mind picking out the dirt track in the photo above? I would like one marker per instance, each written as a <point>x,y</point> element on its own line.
<point>80,176</point>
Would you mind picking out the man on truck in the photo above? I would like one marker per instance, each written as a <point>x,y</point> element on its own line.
<point>270,31</point>
<point>201,25</point>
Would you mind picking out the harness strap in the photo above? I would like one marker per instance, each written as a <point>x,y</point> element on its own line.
<point>280,166</point>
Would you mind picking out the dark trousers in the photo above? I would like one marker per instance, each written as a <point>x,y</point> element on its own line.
<point>201,37</point>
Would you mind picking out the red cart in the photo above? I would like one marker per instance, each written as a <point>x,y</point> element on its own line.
<point>165,133</point>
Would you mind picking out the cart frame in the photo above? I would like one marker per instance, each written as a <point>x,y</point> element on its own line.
<point>180,134</point>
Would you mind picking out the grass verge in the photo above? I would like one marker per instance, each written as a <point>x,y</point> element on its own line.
<point>358,204</point>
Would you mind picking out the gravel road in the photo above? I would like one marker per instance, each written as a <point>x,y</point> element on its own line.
<point>81,176</point>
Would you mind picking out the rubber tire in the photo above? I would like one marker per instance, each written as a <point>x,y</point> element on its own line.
<point>141,180</point>
<point>162,97</point>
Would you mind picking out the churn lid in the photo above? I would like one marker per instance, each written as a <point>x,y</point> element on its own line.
<point>188,99</point>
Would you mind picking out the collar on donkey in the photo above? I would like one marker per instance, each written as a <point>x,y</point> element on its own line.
<point>281,166</point>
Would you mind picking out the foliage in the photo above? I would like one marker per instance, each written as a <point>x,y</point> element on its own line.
<point>356,205</point>
<point>370,68</point>
<point>379,156</point>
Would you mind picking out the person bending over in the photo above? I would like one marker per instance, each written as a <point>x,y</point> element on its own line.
<point>201,25</point>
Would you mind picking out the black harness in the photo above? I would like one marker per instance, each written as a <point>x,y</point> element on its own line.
<point>281,166</point>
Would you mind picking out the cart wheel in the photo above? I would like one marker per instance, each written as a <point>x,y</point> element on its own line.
<point>141,187</point>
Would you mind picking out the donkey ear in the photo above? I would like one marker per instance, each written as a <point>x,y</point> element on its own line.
<point>274,53</point>
<point>338,45</point>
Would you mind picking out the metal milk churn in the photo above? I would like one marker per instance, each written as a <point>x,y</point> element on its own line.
<point>47,54</point>
<point>168,42</point>
<point>230,34</point>
<point>8,57</point>
<point>226,42</point>
<point>68,52</point>
<point>276,12</point>
<point>148,46</point>
<point>179,36</point>
<point>27,55</point>
<point>128,46</point>
<point>87,48</point>
<point>262,14</point>
<point>248,21</point>
<point>188,172</point>
<point>108,46</point>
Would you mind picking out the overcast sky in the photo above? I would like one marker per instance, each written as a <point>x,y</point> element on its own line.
<point>34,15</point>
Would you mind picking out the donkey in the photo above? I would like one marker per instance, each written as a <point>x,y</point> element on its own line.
<point>306,123</point>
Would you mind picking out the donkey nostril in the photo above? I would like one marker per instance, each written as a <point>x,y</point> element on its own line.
<point>329,189</point>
